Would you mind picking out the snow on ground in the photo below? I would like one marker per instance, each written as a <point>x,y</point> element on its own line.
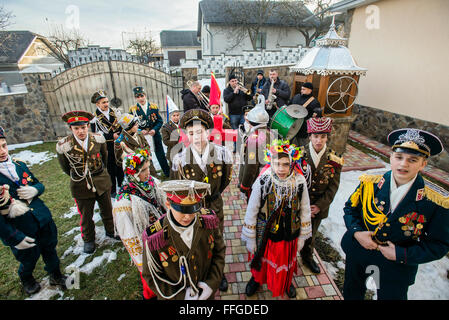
<point>121,277</point>
<point>23,145</point>
<point>431,281</point>
<point>32,158</point>
<point>76,249</point>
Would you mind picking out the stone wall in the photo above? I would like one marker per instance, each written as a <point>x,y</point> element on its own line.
<point>25,117</point>
<point>377,124</point>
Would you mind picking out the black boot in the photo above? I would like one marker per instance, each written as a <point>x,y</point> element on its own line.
<point>58,279</point>
<point>291,292</point>
<point>223,284</point>
<point>89,247</point>
<point>251,287</point>
<point>311,264</point>
<point>31,286</point>
<point>111,235</point>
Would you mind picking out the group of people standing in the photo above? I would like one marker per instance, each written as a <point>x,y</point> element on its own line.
<point>173,230</point>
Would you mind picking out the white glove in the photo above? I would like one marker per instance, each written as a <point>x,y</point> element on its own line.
<point>26,244</point>
<point>190,295</point>
<point>207,291</point>
<point>27,192</point>
<point>251,245</point>
<point>17,208</point>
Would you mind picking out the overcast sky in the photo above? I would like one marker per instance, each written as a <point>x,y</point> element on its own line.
<point>103,22</point>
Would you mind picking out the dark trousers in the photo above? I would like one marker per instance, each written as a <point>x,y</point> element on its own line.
<point>46,239</point>
<point>160,154</point>
<point>392,279</point>
<point>115,172</point>
<point>86,210</point>
<point>309,244</point>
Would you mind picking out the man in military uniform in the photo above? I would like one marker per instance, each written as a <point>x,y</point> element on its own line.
<point>26,224</point>
<point>183,256</point>
<point>84,157</point>
<point>150,122</point>
<point>396,221</point>
<point>326,168</point>
<point>204,161</point>
<point>252,146</point>
<point>170,132</point>
<point>106,121</point>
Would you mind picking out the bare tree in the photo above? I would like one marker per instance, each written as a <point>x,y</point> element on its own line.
<point>64,40</point>
<point>294,13</point>
<point>247,19</point>
<point>144,47</point>
<point>5,18</point>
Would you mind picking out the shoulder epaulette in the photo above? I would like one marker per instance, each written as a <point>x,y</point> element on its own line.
<point>436,197</point>
<point>374,178</point>
<point>154,236</point>
<point>337,159</point>
<point>133,108</point>
<point>98,137</point>
<point>208,219</point>
<point>153,106</point>
<point>63,145</point>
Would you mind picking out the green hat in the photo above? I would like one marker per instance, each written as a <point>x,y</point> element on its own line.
<point>77,118</point>
<point>138,90</point>
<point>185,195</point>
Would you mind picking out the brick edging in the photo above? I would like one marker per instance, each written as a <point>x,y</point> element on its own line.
<point>327,274</point>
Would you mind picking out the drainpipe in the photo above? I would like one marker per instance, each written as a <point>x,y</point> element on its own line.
<point>211,42</point>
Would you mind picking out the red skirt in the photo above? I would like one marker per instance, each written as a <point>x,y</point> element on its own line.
<point>279,263</point>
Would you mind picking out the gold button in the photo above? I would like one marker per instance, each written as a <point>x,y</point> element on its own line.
<point>194,267</point>
<point>32,209</point>
<point>193,257</point>
<point>313,189</point>
<point>384,234</point>
<point>387,224</point>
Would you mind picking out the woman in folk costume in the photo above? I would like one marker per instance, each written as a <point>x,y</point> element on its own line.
<point>130,140</point>
<point>278,213</point>
<point>137,205</point>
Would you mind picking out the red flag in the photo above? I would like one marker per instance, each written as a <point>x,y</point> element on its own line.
<point>215,93</point>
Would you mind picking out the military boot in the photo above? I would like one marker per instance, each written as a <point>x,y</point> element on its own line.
<point>251,287</point>
<point>89,247</point>
<point>58,279</point>
<point>31,286</point>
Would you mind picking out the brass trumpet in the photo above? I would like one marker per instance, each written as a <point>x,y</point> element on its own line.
<point>242,88</point>
<point>200,95</point>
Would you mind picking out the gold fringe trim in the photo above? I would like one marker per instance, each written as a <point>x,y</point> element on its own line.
<point>436,197</point>
<point>333,157</point>
<point>121,209</point>
<point>370,178</point>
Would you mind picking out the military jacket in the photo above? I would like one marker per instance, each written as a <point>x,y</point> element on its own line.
<point>13,231</point>
<point>205,258</point>
<point>151,120</point>
<point>253,157</point>
<point>73,159</point>
<point>419,226</point>
<point>325,180</point>
<point>218,169</point>
<point>108,127</point>
<point>170,137</point>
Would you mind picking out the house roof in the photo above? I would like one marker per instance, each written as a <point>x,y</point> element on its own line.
<point>346,5</point>
<point>175,38</point>
<point>14,44</point>
<point>212,11</point>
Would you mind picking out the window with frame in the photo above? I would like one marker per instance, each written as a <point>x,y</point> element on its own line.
<point>261,40</point>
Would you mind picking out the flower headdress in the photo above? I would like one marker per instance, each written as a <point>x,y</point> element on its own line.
<point>133,162</point>
<point>282,146</point>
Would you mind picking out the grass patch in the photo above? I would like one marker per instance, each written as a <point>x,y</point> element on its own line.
<point>102,282</point>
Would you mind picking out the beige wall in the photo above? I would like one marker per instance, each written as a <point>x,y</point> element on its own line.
<point>407,58</point>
